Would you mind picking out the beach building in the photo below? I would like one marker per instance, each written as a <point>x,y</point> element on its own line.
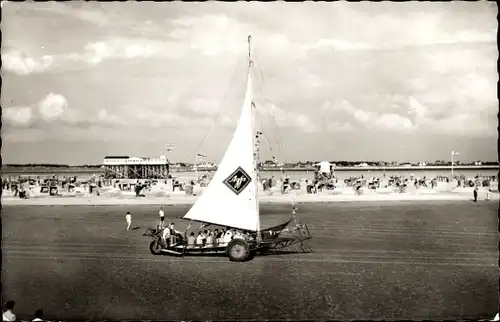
<point>125,167</point>
<point>325,166</point>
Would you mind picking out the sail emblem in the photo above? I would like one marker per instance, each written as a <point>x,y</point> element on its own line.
<point>238,181</point>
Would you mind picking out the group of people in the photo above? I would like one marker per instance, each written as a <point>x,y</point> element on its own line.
<point>8,314</point>
<point>206,238</point>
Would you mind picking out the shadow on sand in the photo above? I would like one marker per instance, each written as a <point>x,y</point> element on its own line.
<point>220,255</point>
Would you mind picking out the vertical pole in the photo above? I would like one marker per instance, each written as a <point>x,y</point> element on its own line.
<point>452,153</point>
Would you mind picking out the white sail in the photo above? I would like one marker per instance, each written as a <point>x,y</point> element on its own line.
<point>231,197</point>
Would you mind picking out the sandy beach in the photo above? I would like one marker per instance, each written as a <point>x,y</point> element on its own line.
<point>390,261</point>
<point>461,194</point>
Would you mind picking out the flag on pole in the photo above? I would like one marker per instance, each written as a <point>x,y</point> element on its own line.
<point>454,153</point>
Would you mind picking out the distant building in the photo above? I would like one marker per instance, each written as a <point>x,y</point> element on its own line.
<point>478,163</point>
<point>325,166</point>
<point>422,164</point>
<point>125,167</point>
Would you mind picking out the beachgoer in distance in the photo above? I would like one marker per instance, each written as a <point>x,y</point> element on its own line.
<point>128,217</point>
<point>475,194</point>
<point>9,315</point>
<point>38,315</point>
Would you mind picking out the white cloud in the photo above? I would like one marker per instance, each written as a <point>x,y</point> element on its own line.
<point>18,115</point>
<point>52,106</point>
<point>416,110</point>
<point>288,119</point>
<point>386,121</point>
<point>24,135</point>
<point>105,118</point>
<point>202,106</point>
<point>393,122</point>
<point>338,126</point>
<point>20,63</point>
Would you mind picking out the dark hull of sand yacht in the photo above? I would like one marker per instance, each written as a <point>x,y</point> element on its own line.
<point>237,250</point>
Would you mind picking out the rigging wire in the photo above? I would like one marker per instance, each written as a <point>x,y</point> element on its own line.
<point>280,145</point>
<point>277,135</point>
<point>220,106</point>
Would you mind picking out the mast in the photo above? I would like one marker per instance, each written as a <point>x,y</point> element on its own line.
<point>255,161</point>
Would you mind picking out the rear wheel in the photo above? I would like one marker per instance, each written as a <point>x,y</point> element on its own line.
<point>155,248</point>
<point>238,250</point>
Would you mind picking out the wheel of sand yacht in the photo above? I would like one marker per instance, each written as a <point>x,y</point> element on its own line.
<point>238,250</point>
<point>155,248</point>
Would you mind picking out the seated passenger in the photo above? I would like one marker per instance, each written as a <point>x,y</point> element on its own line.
<point>165,237</point>
<point>237,234</point>
<point>173,233</point>
<point>227,237</point>
<point>220,238</point>
<point>205,234</point>
<point>199,239</point>
<point>191,240</point>
<point>210,240</point>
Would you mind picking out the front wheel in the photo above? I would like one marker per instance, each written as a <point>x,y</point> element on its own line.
<point>155,248</point>
<point>238,250</point>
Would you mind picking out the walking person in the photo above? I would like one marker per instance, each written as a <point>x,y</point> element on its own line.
<point>128,217</point>
<point>475,194</point>
<point>162,215</point>
<point>9,315</point>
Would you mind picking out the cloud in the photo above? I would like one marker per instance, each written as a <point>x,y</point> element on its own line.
<point>338,127</point>
<point>20,63</point>
<point>18,115</point>
<point>52,106</point>
<point>109,119</point>
<point>393,122</point>
<point>290,119</point>
<point>202,106</point>
<point>371,120</point>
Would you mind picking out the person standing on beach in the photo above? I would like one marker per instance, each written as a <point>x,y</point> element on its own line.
<point>128,217</point>
<point>162,215</point>
<point>475,194</point>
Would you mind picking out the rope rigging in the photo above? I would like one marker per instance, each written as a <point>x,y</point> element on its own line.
<point>236,68</point>
<point>277,135</point>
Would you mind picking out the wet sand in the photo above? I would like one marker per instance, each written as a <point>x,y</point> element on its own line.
<point>373,260</point>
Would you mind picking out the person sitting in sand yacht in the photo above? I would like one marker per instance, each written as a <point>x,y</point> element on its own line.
<point>174,234</point>
<point>210,240</point>
<point>199,239</point>
<point>205,234</point>
<point>216,236</point>
<point>237,234</point>
<point>166,235</point>
<point>227,237</point>
<point>220,236</point>
<point>191,240</point>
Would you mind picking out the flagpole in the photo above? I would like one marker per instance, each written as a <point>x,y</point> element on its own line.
<point>452,153</point>
<point>452,162</point>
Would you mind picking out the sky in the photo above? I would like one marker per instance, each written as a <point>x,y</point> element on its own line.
<point>407,81</point>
